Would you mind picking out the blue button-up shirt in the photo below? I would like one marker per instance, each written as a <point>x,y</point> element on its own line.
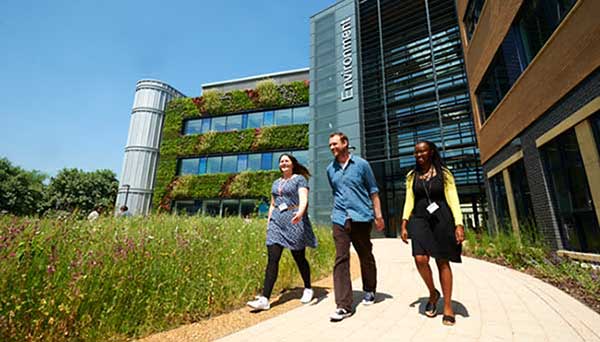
<point>352,189</point>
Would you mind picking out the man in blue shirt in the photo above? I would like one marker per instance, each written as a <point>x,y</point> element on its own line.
<point>355,205</point>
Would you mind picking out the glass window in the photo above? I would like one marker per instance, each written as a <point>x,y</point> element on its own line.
<point>231,208</point>
<point>537,20</point>
<point>229,164</point>
<point>283,117</point>
<point>187,207</point>
<point>248,208</point>
<point>266,162</point>
<point>472,16</point>
<point>498,192</point>
<point>522,198</point>
<point>302,157</point>
<point>213,165</point>
<point>211,208</point>
<point>268,119</point>
<point>234,122</point>
<point>218,124</point>
<point>188,166</point>
<point>254,161</point>
<point>570,190</point>
<point>202,168</point>
<point>301,115</point>
<point>255,120</point>
<point>192,127</point>
<point>206,125</point>
<point>595,121</point>
<point>242,162</point>
<point>276,156</point>
<point>244,121</point>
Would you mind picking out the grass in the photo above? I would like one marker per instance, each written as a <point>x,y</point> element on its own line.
<point>531,255</point>
<point>114,279</point>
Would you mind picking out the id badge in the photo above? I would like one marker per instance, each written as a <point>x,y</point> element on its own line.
<point>432,207</point>
<point>282,207</point>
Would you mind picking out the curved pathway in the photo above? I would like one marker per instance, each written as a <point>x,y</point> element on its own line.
<point>492,303</point>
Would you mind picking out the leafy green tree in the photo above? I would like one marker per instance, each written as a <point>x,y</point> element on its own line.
<point>76,189</point>
<point>21,191</point>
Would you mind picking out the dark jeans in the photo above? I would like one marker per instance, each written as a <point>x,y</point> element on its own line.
<point>273,267</point>
<point>359,234</point>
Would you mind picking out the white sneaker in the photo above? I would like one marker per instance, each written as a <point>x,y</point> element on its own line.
<point>339,314</point>
<point>261,303</point>
<point>307,296</point>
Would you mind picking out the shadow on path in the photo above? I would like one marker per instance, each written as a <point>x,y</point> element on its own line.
<point>459,308</point>
<point>357,297</point>
<point>320,293</point>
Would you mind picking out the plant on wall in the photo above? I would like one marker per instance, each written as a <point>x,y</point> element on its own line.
<point>267,94</point>
<point>174,145</point>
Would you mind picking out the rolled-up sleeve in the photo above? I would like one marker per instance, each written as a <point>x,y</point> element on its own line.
<point>370,182</point>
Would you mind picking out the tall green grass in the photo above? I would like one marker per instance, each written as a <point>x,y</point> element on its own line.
<point>113,279</point>
<point>531,254</point>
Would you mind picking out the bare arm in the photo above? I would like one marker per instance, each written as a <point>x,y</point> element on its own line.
<point>271,207</point>
<point>379,223</point>
<point>303,196</point>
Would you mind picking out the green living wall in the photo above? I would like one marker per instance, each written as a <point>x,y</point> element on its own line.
<point>174,144</point>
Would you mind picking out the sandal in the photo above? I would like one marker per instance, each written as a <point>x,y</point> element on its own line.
<point>448,320</point>
<point>431,308</point>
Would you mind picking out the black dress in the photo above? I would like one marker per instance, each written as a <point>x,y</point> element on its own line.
<point>432,234</point>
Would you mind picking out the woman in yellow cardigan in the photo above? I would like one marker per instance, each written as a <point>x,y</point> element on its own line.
<point>433,219</point>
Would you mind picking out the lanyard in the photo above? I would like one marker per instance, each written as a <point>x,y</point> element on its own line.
<point>425,188</point>
<point>282,183</point>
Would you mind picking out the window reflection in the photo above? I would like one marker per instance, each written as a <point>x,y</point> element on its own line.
<point>283,117</point>
<point>234,122</point>
<point>254,161</point>
<point>188,166</point>
<point>229,164</point>
<point>218,124</point>
<point>268,119</point>
<point>237,163</point>
<point>498,192</point>
<point>213,165</point>
<point>300,115</point>
<point>266,161</point>
<point>535,23</point>
<point>255,120</point>
<point>568,183</point>
<point>288,116</point>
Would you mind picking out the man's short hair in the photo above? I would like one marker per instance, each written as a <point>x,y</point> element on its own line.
<point>342,136</point>
<point>124,208</point>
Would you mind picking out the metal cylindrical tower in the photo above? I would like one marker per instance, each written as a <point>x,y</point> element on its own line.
<point>143,143</point>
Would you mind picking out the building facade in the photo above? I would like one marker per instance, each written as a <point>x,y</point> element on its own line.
<point>143,143</point>
<point>386,73</point>
<point>534,83</point>
<point>217,154</point>
<point>389,74</point>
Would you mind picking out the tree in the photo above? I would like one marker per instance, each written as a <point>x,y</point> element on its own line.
<point>75,189</point>
<point>21,192</point>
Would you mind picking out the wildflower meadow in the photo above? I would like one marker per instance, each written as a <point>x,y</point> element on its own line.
<point>114,278</point>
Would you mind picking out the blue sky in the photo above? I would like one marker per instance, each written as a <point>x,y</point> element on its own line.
<point>68,68</point>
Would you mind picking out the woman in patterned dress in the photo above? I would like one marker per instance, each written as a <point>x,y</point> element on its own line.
<point>288,227</point>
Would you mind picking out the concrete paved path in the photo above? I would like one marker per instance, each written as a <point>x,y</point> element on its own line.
<point>492,303</point>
